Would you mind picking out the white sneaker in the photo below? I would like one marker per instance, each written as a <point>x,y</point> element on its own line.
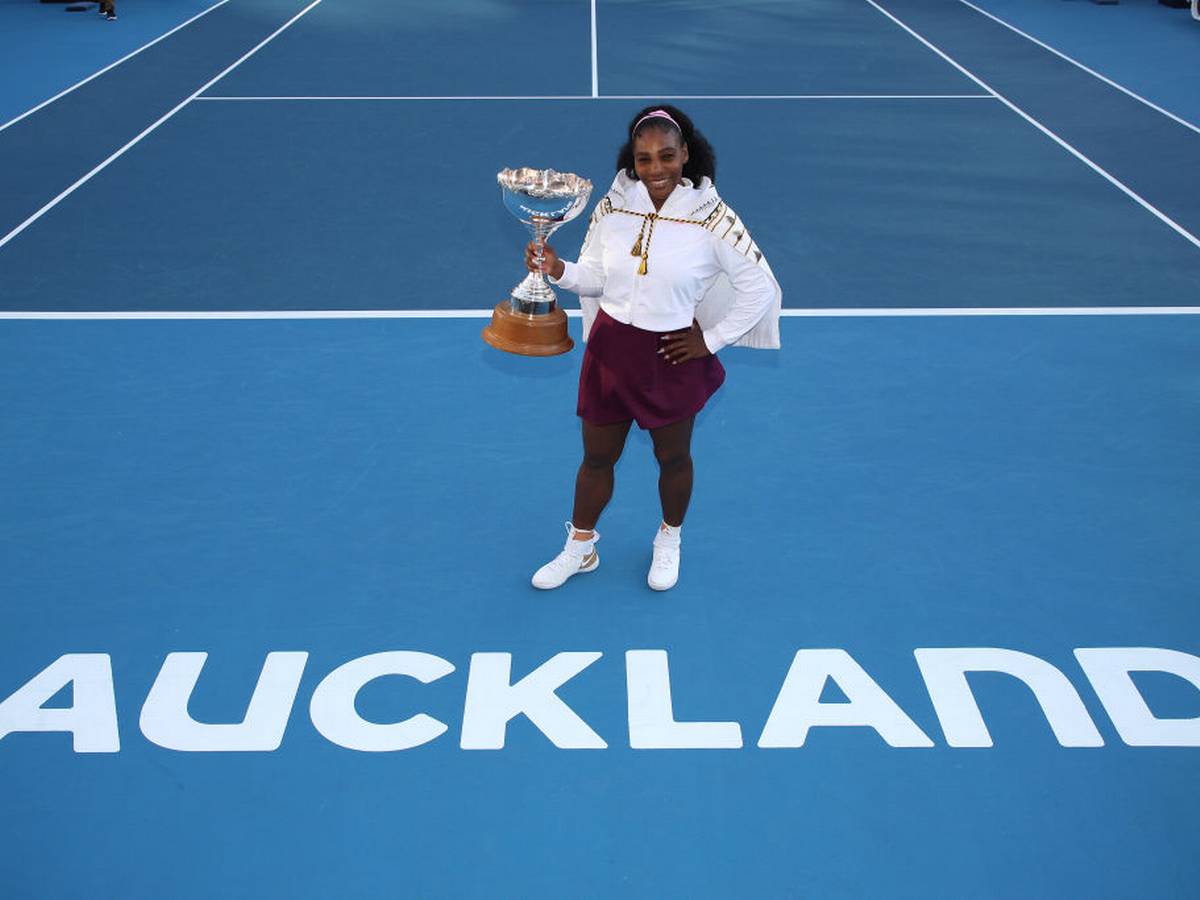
<point>664,568</point>
<point>576,557</point>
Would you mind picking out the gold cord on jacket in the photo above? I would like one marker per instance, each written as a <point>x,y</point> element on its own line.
<point>648,220</point>
<point>638,248</point>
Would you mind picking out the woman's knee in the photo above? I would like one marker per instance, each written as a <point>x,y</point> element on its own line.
<point>602,445</point>
<point>600,460</point>
<point>673,459</point>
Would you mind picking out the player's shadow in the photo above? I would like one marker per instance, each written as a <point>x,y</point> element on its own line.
<point>529,366</point>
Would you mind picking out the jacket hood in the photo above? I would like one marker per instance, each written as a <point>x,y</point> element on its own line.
<point>701,196</point>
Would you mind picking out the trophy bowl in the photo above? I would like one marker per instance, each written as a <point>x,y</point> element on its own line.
<point>530,322</point>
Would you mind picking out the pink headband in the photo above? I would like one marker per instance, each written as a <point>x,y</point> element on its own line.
<point>656,114</point>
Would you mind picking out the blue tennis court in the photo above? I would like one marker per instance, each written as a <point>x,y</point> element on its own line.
<point>271,505</point>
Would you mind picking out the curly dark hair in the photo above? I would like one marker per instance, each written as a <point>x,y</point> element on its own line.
<point>702,159</point>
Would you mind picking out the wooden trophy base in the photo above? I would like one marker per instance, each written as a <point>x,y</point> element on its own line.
<point>512,332</point>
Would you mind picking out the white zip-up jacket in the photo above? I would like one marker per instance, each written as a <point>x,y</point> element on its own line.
<point>708,269</point>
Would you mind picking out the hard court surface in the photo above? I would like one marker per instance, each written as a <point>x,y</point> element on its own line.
<point>247,414</point>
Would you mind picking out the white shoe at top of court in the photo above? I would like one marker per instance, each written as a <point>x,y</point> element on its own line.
<point>576,557</point>
<point>664,567</point>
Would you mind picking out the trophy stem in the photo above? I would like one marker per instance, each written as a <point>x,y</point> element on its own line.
<point>530,322</point>
<point>533,296</point>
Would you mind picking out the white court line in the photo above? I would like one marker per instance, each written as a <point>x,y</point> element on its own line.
<point>595,60</point>
<point>828,313</point>
<point>1075,62</point>
<point>112,65</point>
<point>930,312</point>
<point>49,206</point>
<point>201,315</point>
<point>211,97</point>
<point>807,97</point>
<point>1129,192</point>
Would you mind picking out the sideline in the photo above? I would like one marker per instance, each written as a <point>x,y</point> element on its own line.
<point>1124,188</point>
<point>86,178</point>
<point>1075,62</point>
<point>127,56</point>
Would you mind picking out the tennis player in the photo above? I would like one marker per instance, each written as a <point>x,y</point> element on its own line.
<point>668,276</point>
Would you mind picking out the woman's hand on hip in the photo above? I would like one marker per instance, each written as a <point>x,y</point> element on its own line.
<point>680,346</point>
<point>551,264</point>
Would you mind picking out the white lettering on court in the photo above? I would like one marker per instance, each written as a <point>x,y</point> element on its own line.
<point>799,708</point>
<point>944,671</point>
<point>334,716</point>
<point>92,717</point>
<point>1108,670</point>
<point>165,719</point>
<point>652,724</point>
<point>491,702</point>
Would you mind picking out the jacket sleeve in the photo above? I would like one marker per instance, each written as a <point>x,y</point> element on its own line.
<point>755,292</point>
<point>586,277</point>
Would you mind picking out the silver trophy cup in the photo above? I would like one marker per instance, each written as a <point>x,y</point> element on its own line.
<point>530,321</point>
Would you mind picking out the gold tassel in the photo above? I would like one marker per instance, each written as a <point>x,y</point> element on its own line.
<point>637,249</point>
<point>637,245</point>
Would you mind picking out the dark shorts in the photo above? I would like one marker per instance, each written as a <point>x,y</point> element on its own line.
<point>623,377</point>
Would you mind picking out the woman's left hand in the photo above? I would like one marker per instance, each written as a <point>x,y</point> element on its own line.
<point>681,346</point>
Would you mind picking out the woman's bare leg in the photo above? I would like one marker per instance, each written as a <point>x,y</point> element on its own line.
<point>673,450</point>
<point>602,446</point>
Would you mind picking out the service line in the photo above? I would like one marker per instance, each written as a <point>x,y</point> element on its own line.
<point>264,99</point>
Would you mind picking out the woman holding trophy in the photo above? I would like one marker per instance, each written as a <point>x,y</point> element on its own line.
<point>668,276</point>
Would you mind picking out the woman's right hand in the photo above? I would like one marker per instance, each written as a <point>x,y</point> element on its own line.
<point>551,264</point>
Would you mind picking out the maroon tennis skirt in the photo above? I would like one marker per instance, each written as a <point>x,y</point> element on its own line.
<point>624,377</point>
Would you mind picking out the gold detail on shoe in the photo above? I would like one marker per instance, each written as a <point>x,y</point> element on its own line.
<point>587,560</point>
